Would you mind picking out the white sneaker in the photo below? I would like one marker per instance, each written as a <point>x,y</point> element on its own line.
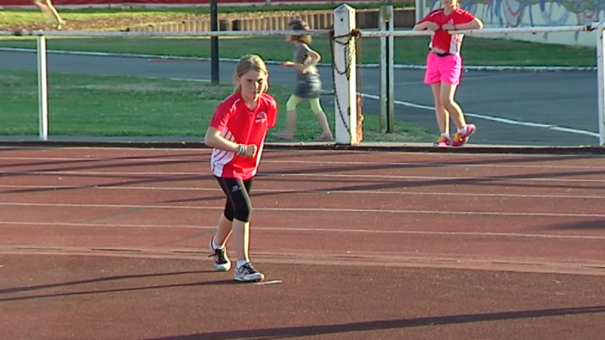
<point>247,273</point>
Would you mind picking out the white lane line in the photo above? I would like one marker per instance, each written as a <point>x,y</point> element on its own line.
<point>141,175</point>
<point>290,191</point>
<point>312,209</point>
<point>313,230</point>
<point>421,163</point>
<point>264,283</point>
<point>526,177</point>
<point>496,119</point>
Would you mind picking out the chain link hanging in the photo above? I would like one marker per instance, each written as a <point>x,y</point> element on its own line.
<point>351,42</point>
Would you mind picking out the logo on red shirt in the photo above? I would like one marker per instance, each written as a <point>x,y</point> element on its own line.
<point>261,117</point>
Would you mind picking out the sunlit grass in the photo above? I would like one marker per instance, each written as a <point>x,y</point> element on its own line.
<point>93,105</point>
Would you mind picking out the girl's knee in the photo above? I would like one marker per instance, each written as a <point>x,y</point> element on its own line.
<point>292,102</point>
<point>242,214</point>
<point>316,106</point>
<point>446,101</point>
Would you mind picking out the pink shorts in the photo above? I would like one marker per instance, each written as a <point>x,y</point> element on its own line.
<point>446,69</point>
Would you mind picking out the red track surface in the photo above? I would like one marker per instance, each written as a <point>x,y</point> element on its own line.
<point>110,244</point>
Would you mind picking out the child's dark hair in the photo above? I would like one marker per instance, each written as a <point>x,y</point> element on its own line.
<point>300,25</point>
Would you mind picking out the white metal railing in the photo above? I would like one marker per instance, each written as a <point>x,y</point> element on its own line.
<point>342,82</point>
<point>161,34</point>
<point>486,31</point>
<point>364,33</point>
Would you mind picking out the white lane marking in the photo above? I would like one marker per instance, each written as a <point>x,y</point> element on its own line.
<point>263,283</point>
<point>496,119</point>
<point>311,209</point>
<point>333,230</point>
<point>294,191</point>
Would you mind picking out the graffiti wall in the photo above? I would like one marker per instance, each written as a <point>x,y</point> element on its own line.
<point>534,13</point>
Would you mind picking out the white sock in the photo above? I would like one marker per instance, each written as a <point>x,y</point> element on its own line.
<point>216,246</point>
<point>241,263</point>
<point>462,130</point>
<point>445,134</point>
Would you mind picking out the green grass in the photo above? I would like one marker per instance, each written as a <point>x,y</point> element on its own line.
<point>476,51</point>
<point>91,105</point>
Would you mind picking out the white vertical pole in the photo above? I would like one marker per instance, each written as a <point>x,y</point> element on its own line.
<point>383,67</point>
<point>387,104</point>
<point>42,89</point>
<point>419,10</point>
<point>601,80</point>
<point>345,77</point>
<point>391,71</point>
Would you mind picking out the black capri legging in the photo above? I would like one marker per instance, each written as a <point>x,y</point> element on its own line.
<point>238,204</point>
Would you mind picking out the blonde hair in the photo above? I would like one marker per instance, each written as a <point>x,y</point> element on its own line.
<point>300,25</point>
<point>249,63</point>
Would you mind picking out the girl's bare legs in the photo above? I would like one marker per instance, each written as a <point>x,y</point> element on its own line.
<point>241,239</point>
<point>47,7</point>
<point>288,133</point>
<point>223,231</point>
<point>441,112</point>
<point>464,131</point>
<point>326,134</point>
<point>447,98</point>
<point>325,127</point>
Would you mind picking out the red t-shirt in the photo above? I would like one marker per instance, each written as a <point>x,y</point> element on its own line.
<point>442,39</point>
<point>239,124</point>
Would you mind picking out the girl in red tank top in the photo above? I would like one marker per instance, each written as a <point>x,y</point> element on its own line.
<point>444,68</point>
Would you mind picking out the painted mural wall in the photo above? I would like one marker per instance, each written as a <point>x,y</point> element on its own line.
<point>535,13</point>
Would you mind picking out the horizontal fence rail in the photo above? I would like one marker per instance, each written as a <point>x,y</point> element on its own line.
<point>161,34</point>
<point>486,31</point>
<point>364,33</point>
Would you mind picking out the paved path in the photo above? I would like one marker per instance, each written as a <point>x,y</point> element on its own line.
<point>503,104</point>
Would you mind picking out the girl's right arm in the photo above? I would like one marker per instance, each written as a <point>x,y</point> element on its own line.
<point>426,25</point>
<point>214,139</point>
<point>313,59</point>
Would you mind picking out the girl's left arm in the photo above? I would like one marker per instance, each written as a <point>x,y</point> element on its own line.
<point>213,139</point>
<point>426,25</point>
<point>314,59</point>
<point>314,56</point>
<point>476,23</point>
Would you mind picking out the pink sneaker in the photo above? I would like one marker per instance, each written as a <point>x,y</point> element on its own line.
<point>443,142</point>
<point>460,139</point>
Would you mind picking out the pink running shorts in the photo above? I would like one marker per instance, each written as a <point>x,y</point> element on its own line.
<point>447,69</point>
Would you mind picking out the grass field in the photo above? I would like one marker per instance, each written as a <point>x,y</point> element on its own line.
<point>91,105</point>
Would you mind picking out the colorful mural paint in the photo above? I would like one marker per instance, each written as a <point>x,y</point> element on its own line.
<point>515,13</point>
<point>535,13</point>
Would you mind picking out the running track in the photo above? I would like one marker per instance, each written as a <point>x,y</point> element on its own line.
<point>109,243</point>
